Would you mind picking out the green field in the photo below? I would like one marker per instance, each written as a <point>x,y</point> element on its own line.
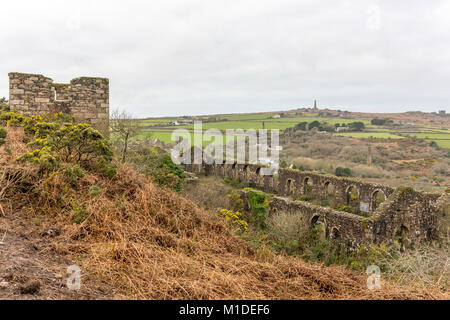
<point>165,136</point>
<point>380,135</point>
<point>443,143</point>
<point>430,136</point>
<point>159,128</point>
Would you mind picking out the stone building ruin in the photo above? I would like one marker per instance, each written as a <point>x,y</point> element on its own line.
<point>85,98</point>
<point>404,213</point>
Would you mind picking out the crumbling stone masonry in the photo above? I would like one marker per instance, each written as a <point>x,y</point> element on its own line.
<point>405,215</point>
<point>85,98</point>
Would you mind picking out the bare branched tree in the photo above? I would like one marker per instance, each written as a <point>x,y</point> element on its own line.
<point>123,128</point>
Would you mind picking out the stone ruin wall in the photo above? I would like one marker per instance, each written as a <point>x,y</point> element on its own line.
<point>86,98</point>
<point>414,214</point>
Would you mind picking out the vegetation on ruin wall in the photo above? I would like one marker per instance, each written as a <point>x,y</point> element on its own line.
<point>291,234</point>
<point>258,206</point>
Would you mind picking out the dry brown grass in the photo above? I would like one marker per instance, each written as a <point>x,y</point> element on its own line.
<point>427,266</point>
<point>143,242</point>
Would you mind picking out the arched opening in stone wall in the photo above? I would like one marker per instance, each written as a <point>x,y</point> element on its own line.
<point>431,234</point>
<point>314,220</point>
<point>258,176</point>
<point>289,187</point>
<point>307,186</point>
<point>401,237</point>
<point>330,190</point>
<point>335,233</point>
<point>318,227</point>
<point>352,195</point>
<point>234,168</point>
<point>377,198</point>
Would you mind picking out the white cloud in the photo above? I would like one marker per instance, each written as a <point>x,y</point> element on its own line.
<point>197,57</point>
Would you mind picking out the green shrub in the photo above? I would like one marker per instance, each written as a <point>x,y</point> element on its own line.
<point>106,168</point>
<point>346,208</point>
<point>11,118</point>
<point>41,157</point>
<point>234,183</point>
<point>73,173</point>
<point>79,214</point>
<point>304,197</point>
<point>343,172</point>
<point>158,164</point>
<point>94,191</point>
<point>258,206</point>
<point>3,134</point>
<point>357,126</point>
<point>57,141</point>
<point>3,106</point>
<point>235,200</point>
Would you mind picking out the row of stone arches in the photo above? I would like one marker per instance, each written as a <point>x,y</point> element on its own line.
<point>352,193</point>
<point>328,190</point>
<point>307,186</point>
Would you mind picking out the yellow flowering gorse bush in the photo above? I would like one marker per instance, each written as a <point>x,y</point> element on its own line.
<point>235,217</point>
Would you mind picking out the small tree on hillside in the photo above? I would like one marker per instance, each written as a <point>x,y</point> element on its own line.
<point>123,128</point>
<point>357,126</point>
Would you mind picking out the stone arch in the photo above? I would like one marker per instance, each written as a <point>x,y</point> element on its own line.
<point>377,197</point>
<point>401,236</point>
<point>318,224</point>
<point>431,234</point>
<point>352,195</point>
<point>235,171</point>
<point>329,189</point>
<point>258,176</point>
<point>289,186</point>
<point>307,185</point>
<point>335,233</point>
<point>315,219</point>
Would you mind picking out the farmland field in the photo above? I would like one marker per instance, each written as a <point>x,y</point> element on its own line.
<point>161,128</point>
<point>381,135</point>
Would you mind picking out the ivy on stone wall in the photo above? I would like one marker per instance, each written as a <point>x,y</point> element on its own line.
<point>258,206</point>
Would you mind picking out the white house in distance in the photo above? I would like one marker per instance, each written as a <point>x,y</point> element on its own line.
<point>276,116</point>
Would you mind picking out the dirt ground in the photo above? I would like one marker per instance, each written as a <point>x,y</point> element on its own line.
<point>30,267</point>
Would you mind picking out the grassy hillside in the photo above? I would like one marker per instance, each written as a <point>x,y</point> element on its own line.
<point>133,239</point>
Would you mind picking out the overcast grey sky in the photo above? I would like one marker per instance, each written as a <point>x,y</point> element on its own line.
<point>202,57</point>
